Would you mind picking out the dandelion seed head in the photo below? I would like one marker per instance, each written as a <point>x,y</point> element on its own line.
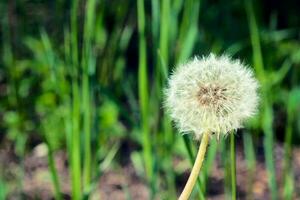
<point>211,94</point>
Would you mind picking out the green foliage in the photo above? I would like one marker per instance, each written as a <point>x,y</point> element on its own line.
<point>90,78</point>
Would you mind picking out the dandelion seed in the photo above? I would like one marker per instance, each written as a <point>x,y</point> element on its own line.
<point>212,94</point>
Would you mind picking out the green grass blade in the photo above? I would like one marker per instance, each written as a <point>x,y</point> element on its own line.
<point>75,143</point>
<point>87,61</point>
<point>189,31</point>
<point>143,92</point>
<point>250,161</point>
<point>53,171</point>
<point>268,146</point>
<point>255,41</point>
<point>233,166</point>
<point>164,32</point>
<point>155,8</point>
<point>225,154</point>
<point>75,118</point>
<point>86,102</point>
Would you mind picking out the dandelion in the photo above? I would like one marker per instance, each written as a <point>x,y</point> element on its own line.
<point>211,95</point>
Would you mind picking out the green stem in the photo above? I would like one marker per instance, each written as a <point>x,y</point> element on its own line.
<point>87,130</point>
<point>233,166</point>
<point>268,146</point>
<point>287,170</point>
<point>164,37</point>
<point>75,148</point>
<point>225,157</point>
<point>143,92</point>
<point>54,173</point>
<point>255,41</point>
<point>87,63</point>
<point>251,162</point>
<point>75,120</point>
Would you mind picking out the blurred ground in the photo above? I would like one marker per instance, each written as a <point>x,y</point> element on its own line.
<point>120,183</point>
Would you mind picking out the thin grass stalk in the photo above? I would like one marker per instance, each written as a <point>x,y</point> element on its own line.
<point>184,26</point>
<point>288,189</point>
<point>269,145</point>
<point>156,91</point>
<point>155,14</point>
<point>233,166</point>
<point>143,92</point>
<point>87,129</point>
<point>250,161</point>
<point>255,41</point>
<point>225,153</point>
<point>68,116</point>
<point>86,94</point>
<point>75,147</point>
<point>188,35</point>
<point>155,27</point>
<point>53,172</point>
<point>75,137</point>
<point>164,39</point>
<point>74,35</point>
<point>8,61</point>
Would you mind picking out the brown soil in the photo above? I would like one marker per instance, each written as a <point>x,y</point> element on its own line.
<point>121,183</point>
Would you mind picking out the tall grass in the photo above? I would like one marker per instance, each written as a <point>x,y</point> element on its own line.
<point>91,73</point>
<point>143,92</point>
<point>250,162</point>
<point>233,165</point>
<point>289,182</point>
<point>88,62</point>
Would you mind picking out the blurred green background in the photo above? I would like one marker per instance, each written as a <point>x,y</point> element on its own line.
<point>81,92</point>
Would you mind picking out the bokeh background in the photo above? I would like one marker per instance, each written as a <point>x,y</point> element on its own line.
<point>81,92</point>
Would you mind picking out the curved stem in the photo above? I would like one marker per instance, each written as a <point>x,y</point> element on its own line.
<point>196,168</point>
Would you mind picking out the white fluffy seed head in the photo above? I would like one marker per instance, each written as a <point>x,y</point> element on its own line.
<point>211,94</point>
